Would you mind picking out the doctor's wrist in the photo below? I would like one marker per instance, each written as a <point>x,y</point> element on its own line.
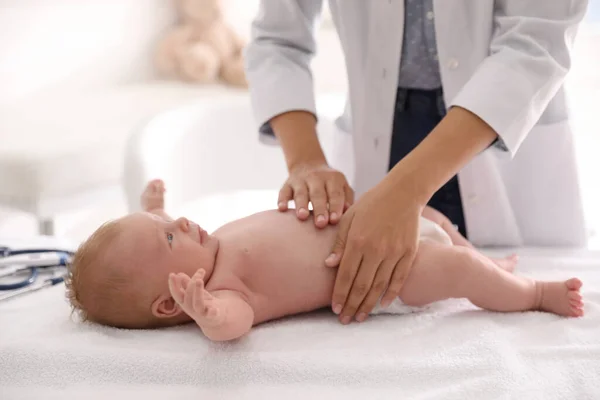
<point>459,137</point>
<point>306,163</point>
<point>409,182</point>
<point>297,134</point>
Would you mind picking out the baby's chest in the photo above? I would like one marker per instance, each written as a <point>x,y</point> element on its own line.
<point>257,270</point>
<point>235,269</point>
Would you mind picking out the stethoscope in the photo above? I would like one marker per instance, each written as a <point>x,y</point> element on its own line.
<point>31,261</point>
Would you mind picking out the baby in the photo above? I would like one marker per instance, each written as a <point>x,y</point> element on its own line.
<point>146,270</point>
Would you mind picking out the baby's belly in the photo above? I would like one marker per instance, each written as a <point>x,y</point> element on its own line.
<point>293,294</point>
<point>278,262</point>
<point>293,278</point>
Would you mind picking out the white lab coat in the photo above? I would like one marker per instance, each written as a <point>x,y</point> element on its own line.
<point>504,60</point>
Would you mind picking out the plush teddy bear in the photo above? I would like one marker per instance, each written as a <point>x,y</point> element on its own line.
<point>202,48</point>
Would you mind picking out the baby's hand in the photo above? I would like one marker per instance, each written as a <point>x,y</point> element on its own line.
<point>191,296</point>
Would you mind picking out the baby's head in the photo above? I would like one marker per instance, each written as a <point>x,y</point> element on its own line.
<point>119,275</point>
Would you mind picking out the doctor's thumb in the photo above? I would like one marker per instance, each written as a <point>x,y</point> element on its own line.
<point>333,260</point>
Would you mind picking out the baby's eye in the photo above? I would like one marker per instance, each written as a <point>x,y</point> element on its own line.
<point>170,238</point>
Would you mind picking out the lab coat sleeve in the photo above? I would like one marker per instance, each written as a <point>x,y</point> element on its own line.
<point>528,62</point>
<point>277,59</point>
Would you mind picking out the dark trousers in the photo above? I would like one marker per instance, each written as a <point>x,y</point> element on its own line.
<point>417,113</point>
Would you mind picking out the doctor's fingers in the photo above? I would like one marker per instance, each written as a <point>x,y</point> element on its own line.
<point>318,198</point>
<point>380,283</point>
<point>401,272</point>
<point>336,197</point>
<point>345,278</point>
<point>349,195</point>
<point>300,191</point>
<point>286,194</point>
<point>362,286</point>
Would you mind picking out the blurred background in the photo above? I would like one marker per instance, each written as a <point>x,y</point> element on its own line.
<point>78,76</point>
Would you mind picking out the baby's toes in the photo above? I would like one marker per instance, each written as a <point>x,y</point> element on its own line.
<point>158,185</point>
<point>153,195</point>
<point>576,302</point>
<point>154,188</point>
<point>577,311</point>
<point>573,284</point>
<point>574,296</point>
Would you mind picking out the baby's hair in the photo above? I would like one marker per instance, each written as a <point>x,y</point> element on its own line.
<point>92,253</point>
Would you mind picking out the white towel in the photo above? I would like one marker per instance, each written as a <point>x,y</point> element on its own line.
<point>451,350</point>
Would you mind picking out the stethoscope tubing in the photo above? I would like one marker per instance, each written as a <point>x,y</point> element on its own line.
<point>21,265</point>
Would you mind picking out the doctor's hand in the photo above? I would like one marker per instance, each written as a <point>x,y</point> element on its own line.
<point>326,188</point>
<point>375,247</point>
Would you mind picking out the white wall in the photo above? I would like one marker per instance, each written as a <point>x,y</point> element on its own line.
<point>83,44</point>
<point>89,43</point>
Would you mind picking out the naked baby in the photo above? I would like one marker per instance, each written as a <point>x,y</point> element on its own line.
<point>146,270</point>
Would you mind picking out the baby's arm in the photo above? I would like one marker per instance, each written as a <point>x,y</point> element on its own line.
<point>237,317</point>
<point>222,315</point>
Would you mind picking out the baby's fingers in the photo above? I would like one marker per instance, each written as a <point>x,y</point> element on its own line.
<point>176,289</point>
<point>182,280</point>
<point>199,275</point>
<point>198,297</point>
<point>188,288</point>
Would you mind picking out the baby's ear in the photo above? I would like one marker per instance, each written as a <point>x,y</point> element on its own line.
<point>165,307</point>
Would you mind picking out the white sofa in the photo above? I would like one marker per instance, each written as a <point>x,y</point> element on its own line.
<point>77,80</point>
<point>208,152</point>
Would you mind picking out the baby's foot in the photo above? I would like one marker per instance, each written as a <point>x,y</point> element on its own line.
<point>562,298</point>
<point>507,263</point>
<point>153,197</point>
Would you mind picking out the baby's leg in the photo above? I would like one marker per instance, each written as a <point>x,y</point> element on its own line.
<point>509,263</point>
<point>442,272</point>
<point>152,199</point>
<point>435,216</point>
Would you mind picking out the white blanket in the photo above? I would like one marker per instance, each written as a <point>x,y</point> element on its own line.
<point>451,351</point>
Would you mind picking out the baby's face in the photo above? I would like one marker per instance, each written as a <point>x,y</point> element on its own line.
<point>168,247</point>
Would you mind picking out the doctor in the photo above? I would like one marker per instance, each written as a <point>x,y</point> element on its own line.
<point>456,104</point>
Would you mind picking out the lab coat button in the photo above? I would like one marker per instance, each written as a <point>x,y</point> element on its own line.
<point>453,63</point>
<point>472,198</point>
<point>376,142</point>
<point>383,73</point>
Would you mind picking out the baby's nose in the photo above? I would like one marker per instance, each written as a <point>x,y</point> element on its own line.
<point>184,224</point>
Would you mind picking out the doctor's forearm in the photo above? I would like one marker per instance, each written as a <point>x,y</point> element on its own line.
<point>297,134</point>
<point>455,141</point>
